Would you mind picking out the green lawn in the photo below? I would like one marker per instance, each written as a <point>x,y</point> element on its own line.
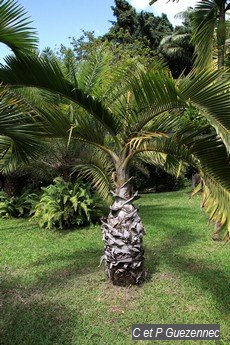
<point>54,292</point>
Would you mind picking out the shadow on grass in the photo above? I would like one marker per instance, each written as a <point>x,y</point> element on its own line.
<point>78,263</point>
<point>157,214</point>
<point>208,276</point>
<point>179,237</point>
<point>26,322</point>
<point>28,317</point>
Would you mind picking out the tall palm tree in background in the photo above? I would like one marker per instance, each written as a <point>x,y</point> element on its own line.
<point>210,31</point>
<point>126,114</point>
<point>177,48</point>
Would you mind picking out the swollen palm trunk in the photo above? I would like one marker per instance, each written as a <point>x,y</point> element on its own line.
<point>123,233</point>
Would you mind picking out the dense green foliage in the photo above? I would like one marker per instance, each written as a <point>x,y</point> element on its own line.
<point>130,26</point>
<point>132,35</point>
<point>103,98</point>
<point>17,206</point>
<point>65,204</point>
<point>54,292</point>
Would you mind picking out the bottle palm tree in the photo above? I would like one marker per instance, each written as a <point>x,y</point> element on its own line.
<point>177,48</point>
<point>122,115</point>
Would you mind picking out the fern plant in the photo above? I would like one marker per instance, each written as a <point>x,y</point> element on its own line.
<point>65,204</point>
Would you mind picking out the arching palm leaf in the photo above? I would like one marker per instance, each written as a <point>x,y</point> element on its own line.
<point>15,30</point>
<point>177,45</point>
<point>38,72</point>
<point>97,167</point>
<point>204,22</point>
<point>216,201</point>
<point>208,154</point>
<point>164,161</point>
<point>154,92</point>
<point>210,31</point>
<point>208,91</point>
<point>19,130</point>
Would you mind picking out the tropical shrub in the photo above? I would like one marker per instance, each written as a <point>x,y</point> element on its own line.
<point>17,206</point>
<point>65,204</point>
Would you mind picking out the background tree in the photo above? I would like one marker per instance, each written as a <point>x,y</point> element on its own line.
<point>210,31</point>
<point>132,35</point>
<point>177,48</point>
<point>84,47</point>
<point>144,26</point>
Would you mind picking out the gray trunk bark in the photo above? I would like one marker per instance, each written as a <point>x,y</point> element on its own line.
<point>221,35</point>
<point>123,236</point>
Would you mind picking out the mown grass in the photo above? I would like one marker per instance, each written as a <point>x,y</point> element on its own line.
<point>54,292</point>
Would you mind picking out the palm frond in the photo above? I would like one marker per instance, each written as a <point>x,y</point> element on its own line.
<point>20,133</point>
<point>52,116</point>
<point>75,124</point>
<point>98,168</point>
<point>95,73</point>
<point>32,71</point>
<point>207,153</point>
<point>15,30</point>
<point>208,91</point>
<point>140,165</point>
<point>154,92</point>
<point>88,130</point>
<point>164,161</point>
<point>213,159</point>
<point>136,140</point>
<point>216,202</point>
<point>204,22</point>
<point>174,41</point>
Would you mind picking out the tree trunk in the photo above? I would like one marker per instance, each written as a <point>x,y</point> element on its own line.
<point>123,233</point>
<point>10,185</point>
<point>221,35</point>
